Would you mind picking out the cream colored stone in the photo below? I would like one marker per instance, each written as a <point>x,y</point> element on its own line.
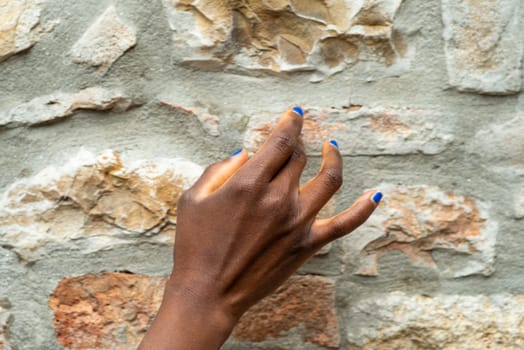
<point>93,203</point>
<point>49,108</point>
<point>484,45</point>
<point>420,220</point>
<point>443,322</point>
<point>285,36</point>
<point>19,26</point>
<point>500,146</point>
<point>372,131</point>
<point>105,41</point>
<point>209,121</point>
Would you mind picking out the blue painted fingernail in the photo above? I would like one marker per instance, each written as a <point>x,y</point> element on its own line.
<point>377,197</point>
<point>298,111</point>
<point>334,143</point>
<point>238,151</point>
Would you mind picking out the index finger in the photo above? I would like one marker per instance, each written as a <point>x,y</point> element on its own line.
<point>279,146</point>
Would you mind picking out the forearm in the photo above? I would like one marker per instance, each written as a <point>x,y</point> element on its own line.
<point>188,322</point>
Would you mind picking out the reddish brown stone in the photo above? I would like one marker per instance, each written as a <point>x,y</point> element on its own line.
<point>106,311</point>
<point>114,310</point>
<point>307,302</point>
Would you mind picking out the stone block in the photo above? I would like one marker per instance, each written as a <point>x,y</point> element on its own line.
<point>209,121</point>
<point>106,311</point>
<point>305,303</point>
<point>20,26</point>
<point>371,131</point>
<point>484,46</point>
<point>500,146</point>
<point>50,108</point>
<point>92,203</point>
<point>105,41</point>
<point>285,35</point>
<point>111,310</point>
<point>419,221</point>
<point>447,322</point>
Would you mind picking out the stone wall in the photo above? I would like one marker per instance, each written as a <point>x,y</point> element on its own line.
<point>110,109</point>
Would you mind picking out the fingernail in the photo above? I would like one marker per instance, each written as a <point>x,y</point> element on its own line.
<point>298,111</point>
<point>334,143</point>
<point>377,197</point>
<point>238,151</point>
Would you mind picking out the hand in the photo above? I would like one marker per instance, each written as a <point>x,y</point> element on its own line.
<point>243,228</point>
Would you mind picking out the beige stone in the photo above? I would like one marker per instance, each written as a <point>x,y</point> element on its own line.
<point>484,45</point>
<point>105,41</point>
<point>420,220</point>
<point>20,26</point>
<point>49,108</point>
<point>500,146</point>
<point>93,203</point>
<point>443,322</point>
<point>287,35</point>
<point>371,131</point>
<point>209,121</point>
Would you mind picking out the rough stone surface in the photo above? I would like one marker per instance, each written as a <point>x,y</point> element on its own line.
<point>420,221</point>
<point>92,203</point>
<point>206,77</point>
<point>47,109</point>
<point>210,122</point>
<point>105,311</point>
<point>501,145</point>
<point>286,35</point>
<point>519,204</point>
<point>303,301</point>
<point>400,321</point>
<point>5,319</point>
<point>372,131</point>
<point>484,47</point>
<point>19,26</point>
<point>115,309</point>
<point>105,41</point>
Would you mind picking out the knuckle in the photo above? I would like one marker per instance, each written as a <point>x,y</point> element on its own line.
<point>283,143</point>
<point>299,155</point>
<point>187,198</point>
<point>278,204</point>
<point>332,178</point>
<point>210,169</point>
<point>338,228</point>
<point>273,202</point>
<point>244,186</point>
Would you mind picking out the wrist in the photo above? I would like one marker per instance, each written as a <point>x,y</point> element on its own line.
<point>200,303</point>
<point>189,319</point>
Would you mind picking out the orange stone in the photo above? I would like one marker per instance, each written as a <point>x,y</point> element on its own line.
<point>306,303</point>
<point>106,311</point>
<point>114,311</point>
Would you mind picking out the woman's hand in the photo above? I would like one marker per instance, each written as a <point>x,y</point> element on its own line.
<point>243,229</point>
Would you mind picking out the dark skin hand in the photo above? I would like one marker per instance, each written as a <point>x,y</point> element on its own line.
<point>243,228</point>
